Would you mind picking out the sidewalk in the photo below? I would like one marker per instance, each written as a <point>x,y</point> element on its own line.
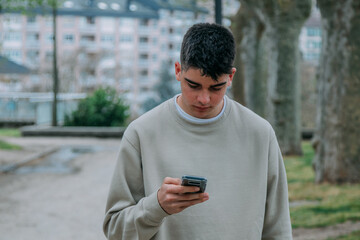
<point>57,206</point>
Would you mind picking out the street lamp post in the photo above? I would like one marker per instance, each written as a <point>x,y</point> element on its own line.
<point>218,12</point>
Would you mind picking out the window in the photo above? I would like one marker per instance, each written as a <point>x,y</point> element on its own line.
<point>107,38</point>
<point>144,72</point>
<point>49,37</point>
<point>313,44</point>
<point>12,53</point>
<point>313,32</point>
<point>32,37</point>
<point>312,56</point>
<point>88,38</point>
<point>144,39</point>
<point>12,36</point>
<point>31,19</point>
<point>144,22</point>
<point>126,38</point>
<point>90,20</point>
<point>12,18</point>
<point>144,56</point>
<point>32,55</point>
<point>68,38</point>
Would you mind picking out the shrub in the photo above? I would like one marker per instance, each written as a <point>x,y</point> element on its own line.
<point>102,108</point>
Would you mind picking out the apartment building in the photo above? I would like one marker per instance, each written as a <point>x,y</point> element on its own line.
<point>120,43</point>
<point>310,38</point>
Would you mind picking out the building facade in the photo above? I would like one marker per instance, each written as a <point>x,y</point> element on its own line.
<point>310,38</point>
<point>122,44</point>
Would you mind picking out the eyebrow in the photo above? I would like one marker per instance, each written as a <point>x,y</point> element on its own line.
<point>216,85</point>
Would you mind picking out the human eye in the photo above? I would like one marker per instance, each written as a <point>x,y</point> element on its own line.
<point>194,86</point>
<point>215,89</point>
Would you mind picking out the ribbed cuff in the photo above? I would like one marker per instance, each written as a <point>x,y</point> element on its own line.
<point>153,210</point>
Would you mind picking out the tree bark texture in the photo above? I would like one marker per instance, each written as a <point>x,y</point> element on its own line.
<point>250,79</point>
<point>283,20</point>
<point>337,139</point>
<point>238,83</point>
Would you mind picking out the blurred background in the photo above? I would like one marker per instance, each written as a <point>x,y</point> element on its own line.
<point>74,69</point>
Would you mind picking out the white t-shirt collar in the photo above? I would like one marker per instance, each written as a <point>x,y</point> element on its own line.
<point>192,119</point>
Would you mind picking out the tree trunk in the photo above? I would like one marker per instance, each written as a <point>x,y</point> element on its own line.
<point>284,87</point>
<point>238,84</point>
<point>249,84</point>
<point>337,139</point>
<point>283,21</point>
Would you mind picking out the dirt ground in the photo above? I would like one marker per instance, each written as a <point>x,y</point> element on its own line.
<point>57,206</point>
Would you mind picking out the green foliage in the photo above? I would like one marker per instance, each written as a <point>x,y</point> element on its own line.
<point>103,108</point>
<point>26,6</point>
<point>8,146</point>
<point>10,132</point>
<point>329,204</point>
<point>352,236</point>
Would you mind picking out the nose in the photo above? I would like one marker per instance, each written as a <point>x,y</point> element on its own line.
<point>204,98</point>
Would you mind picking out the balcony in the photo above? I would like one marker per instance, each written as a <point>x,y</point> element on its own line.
<point>33,44</point>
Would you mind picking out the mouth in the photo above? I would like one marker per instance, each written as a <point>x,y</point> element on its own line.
<point>202,109</point>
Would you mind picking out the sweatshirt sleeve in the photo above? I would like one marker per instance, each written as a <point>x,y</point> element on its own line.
<point>277,224</point>
<point>129,213</point>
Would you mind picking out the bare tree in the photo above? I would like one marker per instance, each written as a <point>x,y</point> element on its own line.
<point>337,136</point>
<point>249,84</point>
<point>283,21</point>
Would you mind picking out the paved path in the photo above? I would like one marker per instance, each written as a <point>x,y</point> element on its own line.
<point>58,206</point>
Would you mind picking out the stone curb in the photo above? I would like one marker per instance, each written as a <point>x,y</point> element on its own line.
<point>101,132</point>
<point>11,167</point>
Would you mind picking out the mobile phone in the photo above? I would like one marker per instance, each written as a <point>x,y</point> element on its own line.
<point>194,181</point>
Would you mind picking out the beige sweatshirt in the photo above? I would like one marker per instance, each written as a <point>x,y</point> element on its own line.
<point>238,154</point>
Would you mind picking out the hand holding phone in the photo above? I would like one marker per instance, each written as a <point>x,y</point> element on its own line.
<point>194,181</point>
<point>173,197</point>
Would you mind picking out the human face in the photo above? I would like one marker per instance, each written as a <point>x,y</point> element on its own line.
<point>201,96</point>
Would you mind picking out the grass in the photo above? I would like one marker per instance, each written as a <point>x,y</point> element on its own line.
<point>333,203</point>
<point>8,146</point>
<point>9,132</point>
<point>352,236</point>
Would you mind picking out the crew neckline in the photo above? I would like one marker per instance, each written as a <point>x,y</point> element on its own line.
<point>196,120</point>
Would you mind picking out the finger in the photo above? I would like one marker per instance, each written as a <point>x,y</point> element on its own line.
<point>169,180</point>
<point>189,189</point>
<point>178,189</point>
<point>193,196</point>
<point>186,204</point>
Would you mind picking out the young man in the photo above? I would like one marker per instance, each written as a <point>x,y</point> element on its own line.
<point>200,132</point>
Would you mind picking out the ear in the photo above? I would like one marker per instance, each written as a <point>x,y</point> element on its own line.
<point>177,70</point>
<point>231,76</point>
